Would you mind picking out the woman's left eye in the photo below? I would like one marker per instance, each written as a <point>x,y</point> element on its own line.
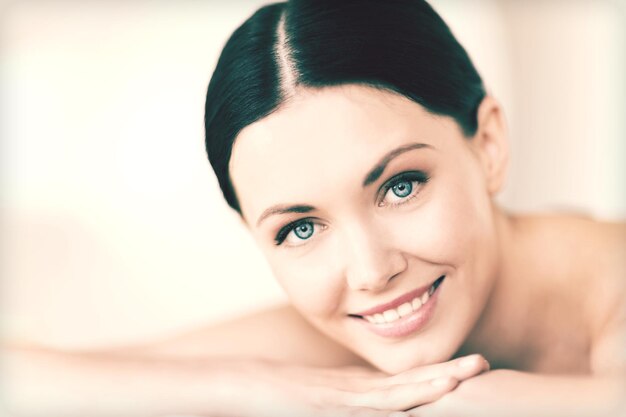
<point>402,188</point>
<point>297,233</point>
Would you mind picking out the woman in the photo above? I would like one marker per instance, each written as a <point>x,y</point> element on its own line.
<point>357,142</point>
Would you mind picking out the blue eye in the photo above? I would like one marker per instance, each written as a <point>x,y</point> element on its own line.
<point>298,232</point>
<point>402,188</point>
<point>304,230</point>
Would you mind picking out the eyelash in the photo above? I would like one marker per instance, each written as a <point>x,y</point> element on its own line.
<point>285,230</point>
<point>410,176</point>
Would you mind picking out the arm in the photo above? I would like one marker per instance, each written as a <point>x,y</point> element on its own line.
<point>511,393</point>
<point>190,376</point>
<point>45,382</point>
<point>256,336</point>
<point>175,375</point>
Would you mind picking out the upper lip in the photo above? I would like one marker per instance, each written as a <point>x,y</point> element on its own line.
<point>397,302</point>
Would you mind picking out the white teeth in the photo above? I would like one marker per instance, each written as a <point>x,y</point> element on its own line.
<point>391,315</point>
<point>405,309</point>
<point>394,314</point>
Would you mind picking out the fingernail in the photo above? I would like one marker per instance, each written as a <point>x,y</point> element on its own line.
<point>468,361</point>
<point>441,381</point>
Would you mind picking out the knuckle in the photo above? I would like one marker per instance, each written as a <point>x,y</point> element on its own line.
<point>440,386</point>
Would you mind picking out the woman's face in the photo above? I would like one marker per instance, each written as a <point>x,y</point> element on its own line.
<point>376,219</point>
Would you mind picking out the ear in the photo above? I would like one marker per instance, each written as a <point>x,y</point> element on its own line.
<point>490,143</point>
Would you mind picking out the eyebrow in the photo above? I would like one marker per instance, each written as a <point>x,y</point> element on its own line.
<point>379,168</point>
<point>297,208</point>
<point>371,177</point>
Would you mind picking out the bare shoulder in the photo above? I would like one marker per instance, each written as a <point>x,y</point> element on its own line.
<point>596,255</point>
<point>278,333</point>
<point>593,249</point>
<point>601,250</point>
<point>598,259</point>
<point>609,288</point>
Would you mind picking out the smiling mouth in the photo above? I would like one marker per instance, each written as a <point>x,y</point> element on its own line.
<point>403,306</point>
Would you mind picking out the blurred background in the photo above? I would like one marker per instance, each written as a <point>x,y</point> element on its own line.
<point>113,229</point>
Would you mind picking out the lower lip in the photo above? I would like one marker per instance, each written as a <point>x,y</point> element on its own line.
<point>408,324</point>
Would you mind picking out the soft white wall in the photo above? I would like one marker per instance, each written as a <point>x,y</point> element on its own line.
<point>113,227</point>
<point>569,132</point>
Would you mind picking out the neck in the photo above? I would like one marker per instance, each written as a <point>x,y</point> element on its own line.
<point>505,329</point>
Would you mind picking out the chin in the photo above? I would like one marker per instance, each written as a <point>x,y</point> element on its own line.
<point>403,358</point>
<point>436,344</point>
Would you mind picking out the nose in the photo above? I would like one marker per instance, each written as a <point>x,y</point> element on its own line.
<point>371,260</point>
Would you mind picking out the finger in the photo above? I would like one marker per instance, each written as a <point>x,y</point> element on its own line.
<point>325,411</point>
<point>353,372</point>
<point>358,412</point>
<point>402,396</point>
<point>359,371</point>
<point>460,369</point>
<point>357,384</point>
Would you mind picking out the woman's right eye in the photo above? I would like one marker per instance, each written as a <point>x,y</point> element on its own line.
<point>297,233</point>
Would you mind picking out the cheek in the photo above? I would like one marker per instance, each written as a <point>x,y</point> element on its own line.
<point>312,281</point>
<point>451,227</point>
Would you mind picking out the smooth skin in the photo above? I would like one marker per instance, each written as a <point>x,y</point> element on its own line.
<point>540,294</point>
<point>541,298</point>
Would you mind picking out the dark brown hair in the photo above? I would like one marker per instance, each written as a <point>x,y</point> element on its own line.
<point>399,45</point>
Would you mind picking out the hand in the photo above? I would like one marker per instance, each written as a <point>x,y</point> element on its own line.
<point>511,393</point>
<point>280,390</point>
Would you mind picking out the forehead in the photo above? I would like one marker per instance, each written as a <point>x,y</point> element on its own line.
<point>323,138</point>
